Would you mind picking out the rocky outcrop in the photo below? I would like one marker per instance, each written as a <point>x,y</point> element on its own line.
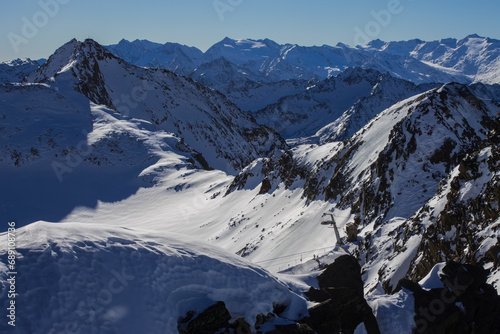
<point>465,303</point>
<point>457,232</point>
<point>342,306</point>
<point>214,319</point>
<point>217,319</point>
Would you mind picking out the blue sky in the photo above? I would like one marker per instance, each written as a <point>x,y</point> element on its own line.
<point>32,29</point>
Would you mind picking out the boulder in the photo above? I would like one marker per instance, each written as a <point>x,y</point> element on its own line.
<point>466,303</point>
<point>214,319</point>
<point>241,326</point>
<point>344,272</point>
<point>342,306</point>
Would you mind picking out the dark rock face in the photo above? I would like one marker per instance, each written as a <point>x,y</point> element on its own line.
<point>467,218</point>
<point>345,272</point>
<point>213,320</point>
<point>466,303</point>
<point>342,304</point>
<point>241,327</point>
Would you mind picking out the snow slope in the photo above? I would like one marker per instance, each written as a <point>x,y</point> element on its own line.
<point>108,279</point>
<point>473,58</point>
<point>175,57</point>
<point>59,151</point>
<point>226,137</point>
<point>346,103</point>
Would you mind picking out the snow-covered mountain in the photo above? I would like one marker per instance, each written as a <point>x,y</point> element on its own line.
<point>220,71</point>
<point>175,57</point>
<point>467,60</point>
<point>385,172</point>
<point>245,89</point>
<point>132,161</point>
<point>474,58</point>
<point>171,102</point>
<point>15,70</point>
<point>277,62</point>
<point>345,102</point>
<point>256,63</point>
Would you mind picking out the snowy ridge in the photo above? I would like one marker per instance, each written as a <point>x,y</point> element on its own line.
<point>347,101</point>
<point>173,103</point>
<point>15,70</point>
<point>264,62</point>
<point>145,281</point>
<point>175,57</point>
<point>473,58</point>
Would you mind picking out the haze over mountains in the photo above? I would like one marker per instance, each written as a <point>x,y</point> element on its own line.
<point>243,148</point>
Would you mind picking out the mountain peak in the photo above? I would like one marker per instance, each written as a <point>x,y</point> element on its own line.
<point>358,72</point>
<point>18,62</point>
<point>376,43</point>
<point>340,45</point>
<point>90,43</point>
<point>16,69</point>
<point>455,89</point>
<point>270,42</point>
<point>77,62</point>
<point>227,40</point>
<point>124,41</point>
<point>474,36</point>
<point>451,42</point>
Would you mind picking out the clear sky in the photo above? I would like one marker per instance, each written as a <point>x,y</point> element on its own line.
<point>35,28</point>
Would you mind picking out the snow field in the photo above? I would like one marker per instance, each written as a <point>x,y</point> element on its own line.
<point>87,278</point>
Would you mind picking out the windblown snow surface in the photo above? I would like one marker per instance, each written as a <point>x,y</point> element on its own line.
<point>80,278</point>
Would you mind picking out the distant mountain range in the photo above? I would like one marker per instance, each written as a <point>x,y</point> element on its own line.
<point>256,73</point>
<point>472,59</point>
<point>15,70</point>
